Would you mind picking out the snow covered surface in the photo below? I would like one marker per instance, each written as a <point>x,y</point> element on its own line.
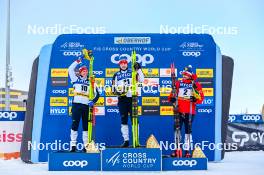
<point>241,163</point>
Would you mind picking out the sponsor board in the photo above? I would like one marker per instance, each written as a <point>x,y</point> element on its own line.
<point>109,72</point>
<point>58,72</point>
<point>205,73</point>
<point>151,82</point>
<point>165,91</point>
<point>206,82</point>
<point>100,82</point>
<point>132,40</point>
<point>111,101</point>
<point>150,72</point>
<point>245,118</point>
<point>166,72</point>
<point>129,159</point>
<point>59,81</point>
<point>150,110</point>
<point>150,101</point>
<point>58,101</point>
<point>164,101</point>
<point>100,102</point>
<point>166,110</point>
<point>208,92</point>
<point>71,92</point>
<point>74,162</point>
<point>99,110</point>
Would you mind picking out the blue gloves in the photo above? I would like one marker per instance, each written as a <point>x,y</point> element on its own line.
<point>90,104</point>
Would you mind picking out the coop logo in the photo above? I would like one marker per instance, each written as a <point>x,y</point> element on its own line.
<point>188,163</point>
<point>166,82</point>
<point>231,118</point>
<point>56,91</point>
<point>76,163</point>
<point>254,118</point>
<point>191,54</point>
<point>143,59</point>
<point>98,72</point>
<point>132,40</point>
<point>208,111</point>
<point>72,53</point>
<point>113,110</point>
<point>8,115</point>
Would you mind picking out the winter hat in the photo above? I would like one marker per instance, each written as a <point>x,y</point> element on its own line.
<point>83,68</point>
<point>187,71</point>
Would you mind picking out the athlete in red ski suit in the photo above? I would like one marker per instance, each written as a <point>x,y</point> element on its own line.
<point>188,91</point>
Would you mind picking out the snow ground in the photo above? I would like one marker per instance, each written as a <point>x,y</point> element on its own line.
<point>241,163</point>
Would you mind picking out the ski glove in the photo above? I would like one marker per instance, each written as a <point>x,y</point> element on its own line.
<point>173,100</point>
<point>90,104</point>
<point>193,99</point>
<point>79,61</point>
<point>137,66</point>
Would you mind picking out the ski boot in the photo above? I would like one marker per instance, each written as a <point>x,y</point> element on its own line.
<point>125,144</point>
<point>187,154</point>
<point>177,153</point>
<point>73,149</point>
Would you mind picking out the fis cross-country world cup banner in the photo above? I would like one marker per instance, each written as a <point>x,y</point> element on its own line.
<point>155,53</point>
